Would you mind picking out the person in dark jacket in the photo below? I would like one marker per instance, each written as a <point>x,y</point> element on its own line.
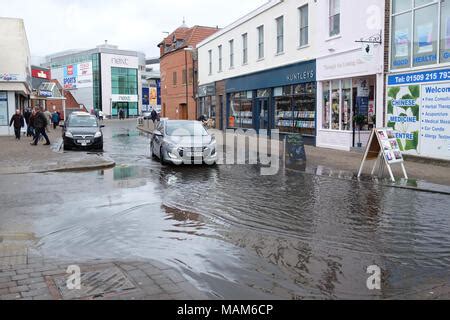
<point>154,115</point>
<point>40,124</point>
<point>19,122</point>
<point>31,131</point>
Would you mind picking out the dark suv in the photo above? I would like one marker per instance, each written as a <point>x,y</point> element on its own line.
<point>82,131</point>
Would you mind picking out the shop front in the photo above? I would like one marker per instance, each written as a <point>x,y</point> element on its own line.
<point>348,106</point>
<point>207,101</point>
<point>419,112</point>
<point>282,98</point>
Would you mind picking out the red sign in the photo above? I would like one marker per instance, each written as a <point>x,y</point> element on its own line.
<point>41,74</point>
<point>70,70</point>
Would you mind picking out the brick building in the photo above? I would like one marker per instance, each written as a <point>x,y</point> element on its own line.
<point>179,71</point>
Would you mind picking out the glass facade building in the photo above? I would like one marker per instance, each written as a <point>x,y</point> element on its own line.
<point>124,81</point>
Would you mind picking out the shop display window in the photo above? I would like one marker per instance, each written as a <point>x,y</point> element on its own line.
<point>335,101</point>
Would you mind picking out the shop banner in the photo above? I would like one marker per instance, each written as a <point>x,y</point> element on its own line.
<point>153,97</point>
<point>145,96</point>
<point>419,77</point>
<point>78,76</point>
<point>420,117</point>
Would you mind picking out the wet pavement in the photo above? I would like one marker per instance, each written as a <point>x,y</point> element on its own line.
<point>233,233</point>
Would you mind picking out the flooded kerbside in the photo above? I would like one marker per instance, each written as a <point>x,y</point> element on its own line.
<point>235,233</point>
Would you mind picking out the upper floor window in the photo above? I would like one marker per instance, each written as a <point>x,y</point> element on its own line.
<point>416,38</point>
<point>231,53</point>
<point>210,61</point>
<point>220,58</point>
<point>244,48</point>
<point>280,34</point>
<point>260,42</point>
<point>303,14</point>
<point>174,78</point>
<point>334,17</point>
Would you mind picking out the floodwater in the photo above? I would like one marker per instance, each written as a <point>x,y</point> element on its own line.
<point>234,233</point>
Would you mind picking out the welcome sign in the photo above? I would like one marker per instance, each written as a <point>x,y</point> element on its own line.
<point>419,113</point>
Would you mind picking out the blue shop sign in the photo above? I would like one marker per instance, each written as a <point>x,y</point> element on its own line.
<point>419,77</point>
<point>293,74</point>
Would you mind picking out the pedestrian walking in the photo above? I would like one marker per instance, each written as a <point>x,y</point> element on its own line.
<point>19,122</point>
<point>40,124</point>
<point>154,115</point>
<point>100,115</point>
<point>27,115</point>
<point>48,114</point>
<point>31,131</point>
<point>55,120</point>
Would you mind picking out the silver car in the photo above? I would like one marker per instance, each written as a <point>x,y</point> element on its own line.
<point>183,142</point>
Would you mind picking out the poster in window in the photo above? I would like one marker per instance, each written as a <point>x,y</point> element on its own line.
<point>425,37</point>
<point>447,34</point>
<point>401,43</point>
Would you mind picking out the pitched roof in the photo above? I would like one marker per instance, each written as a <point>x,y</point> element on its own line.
<point>188,36</point>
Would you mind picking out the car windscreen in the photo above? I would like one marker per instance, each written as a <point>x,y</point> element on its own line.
<point>83,121</point>
<point>185,129</point>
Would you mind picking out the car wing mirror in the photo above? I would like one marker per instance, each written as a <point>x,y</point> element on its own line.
<point>157,133</point>
<point>102,126</point>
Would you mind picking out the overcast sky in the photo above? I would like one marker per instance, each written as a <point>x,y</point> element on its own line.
<point>57,25</point>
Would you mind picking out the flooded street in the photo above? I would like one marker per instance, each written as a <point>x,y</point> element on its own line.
<point>232,232</point>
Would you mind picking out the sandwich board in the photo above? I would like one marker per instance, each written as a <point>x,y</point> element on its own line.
<point>383,147</point>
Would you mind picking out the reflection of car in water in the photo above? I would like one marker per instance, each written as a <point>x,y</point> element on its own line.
<point>82,131</point>
<point>183,141</point>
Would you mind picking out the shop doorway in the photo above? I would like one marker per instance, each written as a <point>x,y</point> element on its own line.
<point>262,115</point>
<point>183,112</point>
<point>120,105</point>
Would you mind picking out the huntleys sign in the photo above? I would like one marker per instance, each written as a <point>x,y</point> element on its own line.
<point>298,73</point>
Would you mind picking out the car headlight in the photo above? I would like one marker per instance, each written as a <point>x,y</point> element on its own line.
<point>98,135</point>
<point>69,134</point>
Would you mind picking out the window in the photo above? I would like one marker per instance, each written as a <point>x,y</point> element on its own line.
<point>445,31</point>
<point>191,75</point>
<point>220,58</point>
<point>280,34</point>
<point>260,42</point>
<point>184,77</point>
<point>335,17</point>
<point>244,48</point>
<point>4,116</point>
<point>124,81</point>
<point>174,77</point>
<point>303,13</point>
<point>231,53</point>
<point>210,61</point>
<point>415,37</point>
<point>241,110</point>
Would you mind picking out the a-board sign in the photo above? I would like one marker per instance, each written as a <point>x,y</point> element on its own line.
<point>294,150</point>
<point>383,144</point>
<point>388,142</point>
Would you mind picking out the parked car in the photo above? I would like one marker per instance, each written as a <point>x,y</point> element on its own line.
<point>82,131</point>
<point>183,141</point>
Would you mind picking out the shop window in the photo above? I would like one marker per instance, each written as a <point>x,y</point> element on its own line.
<point>335,102</point>
<point>4,108</point>
<point>445,32</point>
<point>304,106</point>
<point>334,17</point>
<point>347,102</point>
<point>401,41</point>
<point>326,106</point>
<point>263,93</point>
<point>401,5</point>
<point>425,36</point>
<point>241,110</point>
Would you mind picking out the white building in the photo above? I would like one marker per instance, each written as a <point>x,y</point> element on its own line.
<point>15,71</point>
<point>104,78</point>
<point>274,68</point>
<point>350,80</point>
<point>259,72</point>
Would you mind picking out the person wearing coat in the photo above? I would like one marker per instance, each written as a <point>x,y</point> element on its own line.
<point>40,124</point>
<point>55,120</point>
<point>19,122</point>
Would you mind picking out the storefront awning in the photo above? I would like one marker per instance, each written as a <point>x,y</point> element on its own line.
<point>14,86</point>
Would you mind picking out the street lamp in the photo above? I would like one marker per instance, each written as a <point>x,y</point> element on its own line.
<point>190,49</point>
